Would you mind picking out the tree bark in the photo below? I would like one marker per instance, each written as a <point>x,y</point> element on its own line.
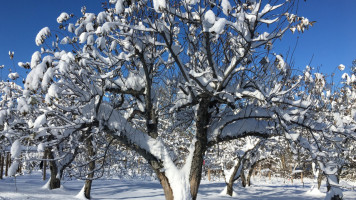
<point>229,189</point>
<point>168,192</point>
<point>201,144</point>
<point>250,171</point>
<point>320,178</point>
<point>209,175</point>
<point>234,176</point>
<point>7,163</point>
<point>54,182</point>
<point>336,196</point>
<point>91,167</point>
<point>1,165</point>
<point>44,165</point>
<point>243,178</point>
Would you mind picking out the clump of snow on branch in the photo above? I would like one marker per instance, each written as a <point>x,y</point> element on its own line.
<point>63,17</point>
<point>159,5</point>
<point>226,7</point>
<point>42,35</point>
<point>15,154</point>
<point>13,76</point>
<point>40,121</point>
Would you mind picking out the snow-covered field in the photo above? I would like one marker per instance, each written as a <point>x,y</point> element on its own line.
<point>31,187</point>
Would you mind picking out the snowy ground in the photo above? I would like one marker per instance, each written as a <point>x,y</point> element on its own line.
<point>30,187</point>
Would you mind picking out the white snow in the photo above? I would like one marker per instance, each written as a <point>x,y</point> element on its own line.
<point>159,5</point>
<point>63,17</point>
<point>13,168</point>
<point>209,17</point>
<point>41,147</point>
<point>40,121</point>
<point>42,35</point>
<point>13,76</point>
<point>191,2</point>
<point>35,59</point>
<point>226,6</point>
<point>30,187</point>
<point>22,105</point>
<point>119,7</point>
<point>15,149</point>
<point>341,67</point>
<point>219,26</point>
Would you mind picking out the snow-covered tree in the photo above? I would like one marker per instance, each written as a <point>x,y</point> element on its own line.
<point>144,71</point>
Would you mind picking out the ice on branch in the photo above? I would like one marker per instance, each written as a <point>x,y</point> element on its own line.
<point>42,35</point>
<point>341,67</point>
<point>62,17</point>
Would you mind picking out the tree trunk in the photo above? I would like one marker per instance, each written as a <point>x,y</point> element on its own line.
<point>269,174</point>
<point>209,175</point>
<point>7,163</point>
<point>1,166</point>
<point>236,173</point>
<point>320,178</point>
<point>229,188</point>
<point>201,144</point>
<point>243,178</point>
<point>44,165</point>
<point>250,171</point>
<point>91,167</point>
<point>168,193</point>
<point>333,192</point>
<point>19,169</point>
<point>54,181</point>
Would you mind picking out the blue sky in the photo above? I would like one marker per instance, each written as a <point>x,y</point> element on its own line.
<point>332,40</point>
